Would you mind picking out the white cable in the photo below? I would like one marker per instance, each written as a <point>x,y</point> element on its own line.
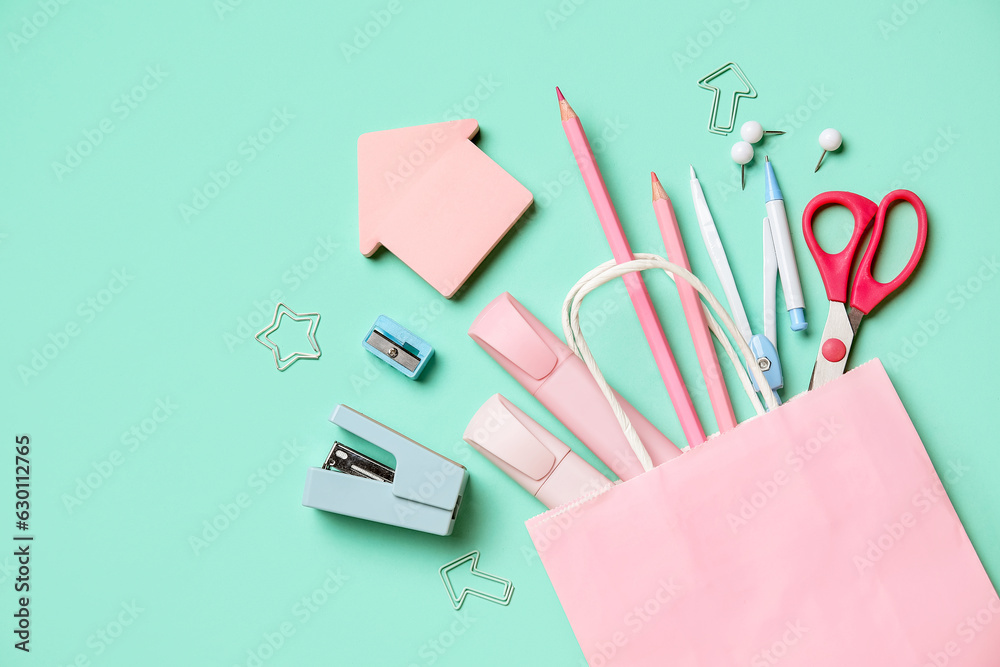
<point>609,271</point>
<point>712,324</point>
<point>574,338</point>
<point>720,334</point>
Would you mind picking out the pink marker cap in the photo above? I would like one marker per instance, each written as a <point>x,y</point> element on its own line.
<point>525,347</point>
<point>534,458</point>
<point>535,357</point>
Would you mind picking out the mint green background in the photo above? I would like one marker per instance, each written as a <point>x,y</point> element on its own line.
<point>164,335</point>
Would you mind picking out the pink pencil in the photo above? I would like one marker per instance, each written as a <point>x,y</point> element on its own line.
<point>693,312</point>
<point>693,431</point>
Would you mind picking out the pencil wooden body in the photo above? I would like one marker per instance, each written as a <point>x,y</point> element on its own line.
<point>665,362</point>
<point>694,313</point>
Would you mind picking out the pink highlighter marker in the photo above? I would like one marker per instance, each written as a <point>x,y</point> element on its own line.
<point>531,456</point>
<point>535,357</point>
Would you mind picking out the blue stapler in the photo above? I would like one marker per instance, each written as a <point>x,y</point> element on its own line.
<point>423,492</point>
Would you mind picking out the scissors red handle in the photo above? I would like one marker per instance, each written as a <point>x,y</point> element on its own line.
<point>835,269</point>
<point>868,292</point>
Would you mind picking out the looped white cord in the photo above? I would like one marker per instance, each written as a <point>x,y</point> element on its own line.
<point>609,271</point>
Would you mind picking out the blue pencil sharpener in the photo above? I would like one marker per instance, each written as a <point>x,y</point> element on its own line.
<point>397,346</point>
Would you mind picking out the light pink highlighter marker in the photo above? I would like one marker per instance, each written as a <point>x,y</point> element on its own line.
<point>541,362</point>
<point>531,456</point>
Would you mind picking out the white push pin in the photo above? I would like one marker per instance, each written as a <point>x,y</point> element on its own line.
<point>829,140</point>
<point>742,152</point>
<point>753,131</point>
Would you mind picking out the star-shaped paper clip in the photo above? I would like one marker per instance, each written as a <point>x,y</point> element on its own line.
<point>284,362</point>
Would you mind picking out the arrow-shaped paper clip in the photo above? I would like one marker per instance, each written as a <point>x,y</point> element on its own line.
<point>458,600</point>
<point>749,92</point>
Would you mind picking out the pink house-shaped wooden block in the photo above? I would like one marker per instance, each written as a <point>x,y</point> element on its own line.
<point>436,201</point>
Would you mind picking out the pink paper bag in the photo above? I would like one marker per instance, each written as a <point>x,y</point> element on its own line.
<point>817,535</point>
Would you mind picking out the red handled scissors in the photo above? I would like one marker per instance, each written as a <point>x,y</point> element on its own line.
<point>842,323</point>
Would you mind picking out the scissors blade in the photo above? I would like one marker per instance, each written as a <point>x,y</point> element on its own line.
<point>834,346</point>
<point>854,316</point>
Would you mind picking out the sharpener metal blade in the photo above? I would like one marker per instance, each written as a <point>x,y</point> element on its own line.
<point>396,352</point>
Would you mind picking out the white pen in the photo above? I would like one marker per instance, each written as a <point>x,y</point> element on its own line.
<point>770,285</point>
<point>765,347</point>
<point>790,286</point>
<point>719,260</point>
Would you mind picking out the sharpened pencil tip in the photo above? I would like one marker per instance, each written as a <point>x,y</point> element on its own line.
<point>767,159</point>
<point>658,191</point>
<point>693,177</point>
<point>565,110</point>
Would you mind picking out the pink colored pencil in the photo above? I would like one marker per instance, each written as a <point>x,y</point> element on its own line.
<point>693,431</point>
<point>693,312</point>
